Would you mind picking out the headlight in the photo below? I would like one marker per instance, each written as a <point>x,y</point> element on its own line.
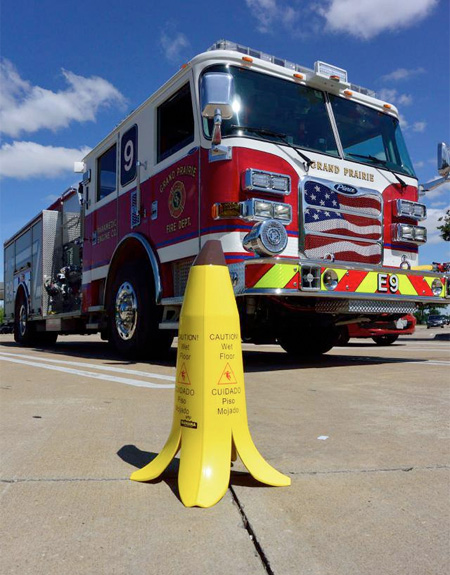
<point>330,280</point>
<point>262,209</point>
<point>420,234</point>
<point>409,233</point>
<point>267,238</point>
<point>437,287</point>
<point>262,181</point>
<point>253,209</point>
<point>256,209</point>
<point>409,209</point>
<point>282,212</point>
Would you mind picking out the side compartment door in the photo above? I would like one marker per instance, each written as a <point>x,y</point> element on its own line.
<point>176,181</point>
<point>100,232</point>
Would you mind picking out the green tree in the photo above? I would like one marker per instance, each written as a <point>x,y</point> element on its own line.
<point>424,310</point>
<point>445,227</point>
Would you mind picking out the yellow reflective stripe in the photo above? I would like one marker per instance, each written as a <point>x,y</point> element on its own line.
<point>277,277</point>
<point>405,287</point>
<point>369,283</point>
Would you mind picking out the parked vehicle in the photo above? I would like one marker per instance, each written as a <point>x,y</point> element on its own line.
<point>6,328</point>
<point>304,178</point>
<point>436,321</point>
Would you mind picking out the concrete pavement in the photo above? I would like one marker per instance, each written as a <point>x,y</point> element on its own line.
<point>363,435</point>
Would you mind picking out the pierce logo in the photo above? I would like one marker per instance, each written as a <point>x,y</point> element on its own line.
<point>345,189</point>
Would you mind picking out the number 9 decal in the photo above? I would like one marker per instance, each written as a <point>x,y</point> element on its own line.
<point>128,156</point>
<point>393,283</point>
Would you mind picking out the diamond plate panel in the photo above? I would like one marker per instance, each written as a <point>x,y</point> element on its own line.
<point>364,306</point>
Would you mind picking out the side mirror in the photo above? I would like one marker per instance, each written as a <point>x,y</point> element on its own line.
<point>216,93</point>
<point>443,160</point>
<point>443,169</point>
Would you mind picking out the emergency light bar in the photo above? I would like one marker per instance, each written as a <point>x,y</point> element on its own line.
<point>330,72</point>
<point>322,69</point>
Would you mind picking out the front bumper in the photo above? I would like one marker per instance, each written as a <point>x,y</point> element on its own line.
<point>388,290</point>
<point>380,328</point>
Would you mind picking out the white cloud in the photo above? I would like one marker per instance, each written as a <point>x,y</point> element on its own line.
<point>25,108</point>
<point>271,12</point>
<point>405,99</point>
<point>403,122</point>
<point>24,160</point>
<point>419,127</point>
<point>173,45</point>
<point>432,222</point>
<point>368,18</point>
<point>402,74</point>
<point>391,95</point>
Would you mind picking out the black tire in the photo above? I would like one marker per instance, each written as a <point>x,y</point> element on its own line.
<point>24,333</point>
<point>342,338</point>
<point>134,317</point>
<point>387,339</point>
<point>308,343</point>
<point>46,338</point>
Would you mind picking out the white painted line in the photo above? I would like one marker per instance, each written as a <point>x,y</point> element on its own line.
<point>406,361</point>
<point>81,373</point>
<point>443,348</point>
<point>92,366</point>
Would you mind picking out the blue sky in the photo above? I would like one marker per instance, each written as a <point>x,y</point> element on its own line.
<point>71,71</point>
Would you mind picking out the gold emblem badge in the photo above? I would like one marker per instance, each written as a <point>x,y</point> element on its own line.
<point>177,199</point>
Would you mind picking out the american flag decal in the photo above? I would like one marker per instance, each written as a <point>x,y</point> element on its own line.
<point>347,226</point>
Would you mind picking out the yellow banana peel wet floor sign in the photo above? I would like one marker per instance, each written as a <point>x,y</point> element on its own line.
<point>210,414</point>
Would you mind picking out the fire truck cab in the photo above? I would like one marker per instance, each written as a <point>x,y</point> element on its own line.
<point>304,178</point>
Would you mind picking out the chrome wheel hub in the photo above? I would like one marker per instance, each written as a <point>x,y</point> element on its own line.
<point>22,320</point>
<point>126,311</point>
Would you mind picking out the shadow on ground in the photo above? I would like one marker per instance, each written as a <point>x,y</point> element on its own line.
<point>137,458</point>
<point>256,359</point>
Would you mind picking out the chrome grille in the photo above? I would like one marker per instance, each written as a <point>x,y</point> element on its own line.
<point>340,222</point>
<point>181,271</point>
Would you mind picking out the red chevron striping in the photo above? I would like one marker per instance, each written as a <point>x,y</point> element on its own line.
<point>420,285</point>
<point>352,280</point>
<point>253,273</point>
<point>293,282</point>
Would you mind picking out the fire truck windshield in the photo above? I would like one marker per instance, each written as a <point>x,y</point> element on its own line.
<point>270,104</point>
<point>370,136</point>
<point>276,105</point>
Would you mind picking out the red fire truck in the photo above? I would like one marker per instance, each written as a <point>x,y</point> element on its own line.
<point>304,178</point>
<point>384,331</point>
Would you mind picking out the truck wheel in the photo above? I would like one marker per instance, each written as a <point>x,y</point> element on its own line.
<point>134,317</point>
<point>47,338</point>
<point>342,338</point>
<point>385,339</point>
<point>308,343</point>
<point>23,331</point>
